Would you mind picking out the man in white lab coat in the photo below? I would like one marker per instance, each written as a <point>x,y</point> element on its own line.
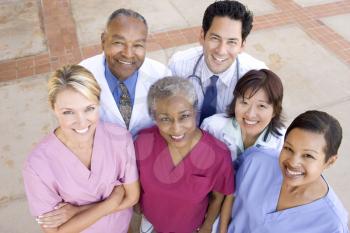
<point>123,72</point>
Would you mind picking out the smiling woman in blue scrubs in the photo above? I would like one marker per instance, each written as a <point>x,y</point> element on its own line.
<point>288,193</point>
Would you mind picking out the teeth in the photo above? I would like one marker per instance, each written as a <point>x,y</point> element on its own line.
<point>293,173</point>
<point>125,62</point>
<point>81,131</point>
<point>177,137</point>
<point>219,59</point>
<point>248,122</point>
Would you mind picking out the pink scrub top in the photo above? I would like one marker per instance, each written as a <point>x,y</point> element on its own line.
<point>175,198</point>
<point>53,174</point>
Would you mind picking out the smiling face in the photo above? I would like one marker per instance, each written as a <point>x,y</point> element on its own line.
<point>176,120</point>
<point>77,116</point>
<point>253,114</point>
<point>222,43</point>
<point>124,44</point>
<point>302,159</point>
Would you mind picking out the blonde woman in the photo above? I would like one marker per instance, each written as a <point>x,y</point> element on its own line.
<point>82,177</point>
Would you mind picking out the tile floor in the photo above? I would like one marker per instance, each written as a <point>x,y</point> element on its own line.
<point>306,42</point>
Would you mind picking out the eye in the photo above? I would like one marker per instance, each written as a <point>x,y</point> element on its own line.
<point>287,148</point>
<point>214,38</point>
<point>308,156</point>
<point>243,101</point>
<point>262,106</point>
<point>139,46</point>
<point>117,42</point>
<point>232,42</point>
<point>90,109</point>
<point>68,112</point>
<point>185,116</point>
<point>164,119</point>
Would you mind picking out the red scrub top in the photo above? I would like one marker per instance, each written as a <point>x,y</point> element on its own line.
<point>175,198</point>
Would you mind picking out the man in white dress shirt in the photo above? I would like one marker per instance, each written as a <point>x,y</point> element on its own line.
<point>225,27</point>
<point>123,72</point>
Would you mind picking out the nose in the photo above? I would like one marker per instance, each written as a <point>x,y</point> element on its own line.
<point>175,127</point>
<point>251,111</point>
<point>128,51</point>
<point>81,120</point>
<point>221,48</point>
<point>294,160</point>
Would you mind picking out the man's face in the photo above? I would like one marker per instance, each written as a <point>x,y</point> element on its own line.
<point>222,43</point>
<point>124,44</point>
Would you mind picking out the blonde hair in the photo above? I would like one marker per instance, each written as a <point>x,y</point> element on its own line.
<point>74,77</point>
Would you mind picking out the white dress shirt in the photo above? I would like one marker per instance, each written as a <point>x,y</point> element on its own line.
<point>182,64</point>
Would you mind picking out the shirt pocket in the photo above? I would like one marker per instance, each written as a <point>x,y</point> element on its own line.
<point>200,187</point>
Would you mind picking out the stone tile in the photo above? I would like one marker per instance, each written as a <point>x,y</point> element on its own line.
<point>20,31</point>
<point>339,24</point>
<point>164,55</point>
<point>159,14</point>
<point>339,174</point>
<point>25,118</point>
<point>260,7</point>
<point>312,76</point>
<point>15,218</point>
<point>305,3</point>
<point>199,6</point>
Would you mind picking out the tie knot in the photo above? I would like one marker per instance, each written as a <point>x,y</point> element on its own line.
<point>121,84</point>
<point>213,79</point>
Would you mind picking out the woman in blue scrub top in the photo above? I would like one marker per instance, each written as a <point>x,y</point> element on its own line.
<point>253,118</point>
<point>288,193</point>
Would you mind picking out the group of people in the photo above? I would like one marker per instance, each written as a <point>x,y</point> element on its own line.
<point>197,147</point>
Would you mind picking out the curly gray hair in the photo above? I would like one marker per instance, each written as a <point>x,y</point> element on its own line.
<point>168,87</point>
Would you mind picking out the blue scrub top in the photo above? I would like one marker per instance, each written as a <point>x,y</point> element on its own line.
<point>259,181</point>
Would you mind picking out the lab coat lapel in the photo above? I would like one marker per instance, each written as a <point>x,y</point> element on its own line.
<point>140,110</point>
<point>110,108</point>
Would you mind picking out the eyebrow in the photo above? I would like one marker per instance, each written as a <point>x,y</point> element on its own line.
<point>234,38</point>
<point>123,38</point>
<point>72,108</point>
<point>184,111</point>
<point>311,150</point>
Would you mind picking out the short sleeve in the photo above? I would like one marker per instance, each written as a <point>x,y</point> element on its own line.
<point>224,182</point>
<point>172,64</point>
<point>131,173</point>
<point>41,198</point>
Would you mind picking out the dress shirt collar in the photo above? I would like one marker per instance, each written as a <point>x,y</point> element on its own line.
<point>224,77</point>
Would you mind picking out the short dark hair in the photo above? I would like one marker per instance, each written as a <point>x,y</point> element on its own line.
<point>232,9</point>
<point>322,123</point>
<point>253,81</point>
<point>128,13</point>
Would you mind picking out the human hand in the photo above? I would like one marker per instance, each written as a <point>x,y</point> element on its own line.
<point>223,229</point>
<point>137,208</point>
<point>204,229</point>
<point>61,214</point>
<point>116,197</point>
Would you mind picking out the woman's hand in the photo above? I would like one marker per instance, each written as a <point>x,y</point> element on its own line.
<point>115,198</point>
<point>204,229</point>
<point>61,214</point>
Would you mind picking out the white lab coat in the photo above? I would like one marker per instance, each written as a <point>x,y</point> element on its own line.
<point>149,72</point>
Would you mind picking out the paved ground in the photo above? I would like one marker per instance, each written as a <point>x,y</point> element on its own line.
<point>307,42</point>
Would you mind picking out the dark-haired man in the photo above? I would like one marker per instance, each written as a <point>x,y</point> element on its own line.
<point>215,67</point>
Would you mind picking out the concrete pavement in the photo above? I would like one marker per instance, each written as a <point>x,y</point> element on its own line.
<point>306,42</point>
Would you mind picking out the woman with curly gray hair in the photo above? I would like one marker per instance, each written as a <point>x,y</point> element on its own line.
<point>184,172</point>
